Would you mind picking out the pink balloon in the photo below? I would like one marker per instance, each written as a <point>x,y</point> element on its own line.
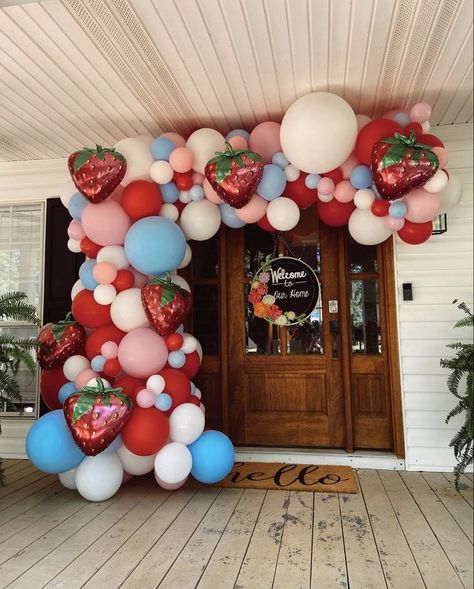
<point>420,112</point>
<point>422,206</point>
<point>104,272</point>
<point>84,377</point>
<point>326,186</point>
<point>442,155</point>
<point>175,138</point>
<point>347,167</point>
<point>105,223</point>
<point>197,178</point>
<point>238,142</point>
<point>265,140</point>
<point>393,223</point>
<point>75,230</point>
<point>117,193</point>
<point>140,279</point>
<point>253,211</point>
<point>344,191</point>
<point>142,352</point>
<point>181,159</point>
<point>145,398</point>
<point>109,350</point>
<point>210,193</point>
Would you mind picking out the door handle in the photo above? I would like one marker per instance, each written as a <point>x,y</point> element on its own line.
<point>334,331</point>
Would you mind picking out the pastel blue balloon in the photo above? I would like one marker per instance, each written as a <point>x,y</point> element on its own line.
<point>279,159</point>
<point>169,192</point>
<point>361,177</point>
<point>196,192</point>
<point>229,217</point>
<point>177,359</point>
<point>114,446</point>
<point>77,203</point>
<point>161,148</point>
<point>402,118</point>
<point>312,180</point>
<point>155,245</point>
<point>163,401</point>
<point>67,389</point>
<point>193,387</point>
<point>180,329</point>
<point>238,133</point>
<point>86,276</point>
<point>97,363</point>
<point>213,457</point>
<point>273,182</point>
<point>50,446</point>
<point>397,210</point>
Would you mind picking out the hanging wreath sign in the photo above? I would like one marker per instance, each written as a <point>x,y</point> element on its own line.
<point>284,291</point>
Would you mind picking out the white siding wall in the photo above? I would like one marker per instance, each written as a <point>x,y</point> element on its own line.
<point>440,271</point>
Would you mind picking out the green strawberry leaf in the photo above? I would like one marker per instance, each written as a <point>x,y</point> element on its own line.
<point>118,156</point>
<point>105,398</point>
<point>82,158</point>
<point>239,161</point>
<point>84,404</point>
<point>168,294</point>
<point>58,331</point>
<point>256,157</point>
<point>433,159</point>
<point>223,169</point>
<point>394,156</point>
<point>391,140</point>
<point>416,155</point>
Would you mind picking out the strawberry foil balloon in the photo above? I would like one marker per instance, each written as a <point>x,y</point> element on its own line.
<point>59,341</point>
<point>96,415</point>
<point>166,304</point>
<point>235,175</point>
<point>97,172</point>
<point>400,164</point>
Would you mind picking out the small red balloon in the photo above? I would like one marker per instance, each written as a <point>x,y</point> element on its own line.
<point>184,181</point>
<point>298,192</point>
<point>264,224</point>
<point>370,134</point>
<point>177,385</point>
<point>112,367</point>
<point>192,365</point>
<point>123,280</point>
<point>335,213</point>
<point>146,431</point>
<point>141,199</point>
<point>50,383</point>
<point>99,336</point>
<point>130,385</point>
<point>415,233</point>
<point>335,175</point>
<point>380,208</point>
<point>174,341</point>
<point>88,312</point>
<point>431,140</point>
<point>89,247</point>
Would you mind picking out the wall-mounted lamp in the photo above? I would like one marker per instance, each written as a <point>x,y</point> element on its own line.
<point>440,224</point>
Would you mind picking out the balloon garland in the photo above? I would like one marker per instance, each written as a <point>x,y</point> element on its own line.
<point>118,378</point>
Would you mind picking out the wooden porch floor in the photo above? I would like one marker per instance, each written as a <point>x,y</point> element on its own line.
<point>405,530</point>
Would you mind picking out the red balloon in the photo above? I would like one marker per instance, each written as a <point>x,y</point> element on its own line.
<point>99,336</point>
<point>335,175</point>
<point>50,383</point>
<point>380,208</point>
<point>264,224</point>
<point>89,247</point>
<point>112,367</point>
<point>146,431</point>
<point>194,400</point>
<point>370,134</point>
<point>130,385</point>
<point>88,312</point>
<point>415,233</point>
<point>174,341</point>
<point>304,197</point>
<point>141,199</point>
<point>335,213</point>
<point>177,385</point>
<point>184,181</point>
<point>413,127</point>
<point>431,140</point>
<point>180,206</point>
<point>192,364</point>
<point>123,280</point>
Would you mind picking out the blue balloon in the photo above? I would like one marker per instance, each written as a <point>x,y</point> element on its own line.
<point>97,363</point>
<point>180,329</point>
<point>196,192</point>
<point>402,118</point>
<point>279,159</point>
<point>86,276</point>
<point>169,192</point>
<point>238,132</point>
<point>273,182</point>
<point>361,177</point>
<point>155,245</point>
<point>229,217</point>
<point>77,203</point>
<point>50,446</point>
<point>397,210</point>
<point>213,457</point>
<point>177,359</point>
<point>67,389</point>
<point>161,148</point>
<point>312,180</point>
<point>163,402</point>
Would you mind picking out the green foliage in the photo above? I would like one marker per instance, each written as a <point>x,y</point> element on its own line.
<point>462,365</point>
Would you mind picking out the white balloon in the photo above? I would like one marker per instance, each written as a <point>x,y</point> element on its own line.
<point>283,213</point>
<point>202,408</point>
<point>169,486</point>
<point>186,423</point>
<point>68,478</point>
<point>161,172</point>
<point>115,254</point>
<point>77,287</point>
<point>187,256</point>
<point>127,311</point>
<point>318,132</point>
<point>65,192</point>
<point>291,173</point>
<point>368,229</point>
<point>426,126</point>
<point>156,383</point>
<point>180,281</point>
<point>325,197</point>
<point>197,393</point>
<point>437,182</point>
<point>104,294</point>
<point>184,197</point>
<point>362,121</point>
<point>173,463</point>
<point>364,198</point>
<point>74,365</point>
<point>204,143</point>
<point>74,246</point>
<point>99,477</point>
<point>147,139</point>
<point>134,464</point>
<point>139,159</point>
<point>169,211</point>
<point>451,194</point>
<point>189,343</point>
<point>199,350</point>
<point>200,220</point>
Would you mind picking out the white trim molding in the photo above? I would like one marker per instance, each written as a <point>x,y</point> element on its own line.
<point>34,180</point>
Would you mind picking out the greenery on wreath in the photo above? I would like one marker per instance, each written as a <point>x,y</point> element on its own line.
<point>462,365</point>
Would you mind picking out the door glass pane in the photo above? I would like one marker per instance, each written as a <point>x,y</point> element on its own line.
<point>205,260</point>
<point>365,317</point>
<point>303,241</point>
<point>307,338</point>
<point>206,317</point>
<point>361,258</point>
<point>258,244</point>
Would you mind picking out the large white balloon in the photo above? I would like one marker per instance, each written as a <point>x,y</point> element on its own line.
<point>368,229</point>
<point>127,311</point>
<point>186,423</point>
<point>283,213</point>
<point>68,479</point>
<point>139,159</point>
<point>173,463</point>
<point>99,477</point>
<point>187,257</point>
<point>134,464</point>
<point>169,486</point>
<point>200,220</point>
<point>115,254</point>
<point>318,132</point>
<point>66,190</point>
<point>204,143</point>
<point>74,365</point>
<point>180,281</point>
<point>451,194</point>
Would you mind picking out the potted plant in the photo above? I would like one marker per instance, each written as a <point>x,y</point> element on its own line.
<point>14,352</point>
<point>460,385</point>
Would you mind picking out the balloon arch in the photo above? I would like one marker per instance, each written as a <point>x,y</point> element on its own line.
<point>118,377</point>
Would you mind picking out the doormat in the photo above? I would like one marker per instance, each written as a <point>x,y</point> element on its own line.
<point>280,476</point>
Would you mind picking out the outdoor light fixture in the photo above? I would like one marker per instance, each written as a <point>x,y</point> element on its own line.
<point>440,224</point>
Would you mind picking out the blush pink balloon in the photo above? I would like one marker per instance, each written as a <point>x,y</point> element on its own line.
<point>117,193</point>
<point>140,279</point>
<point>420,112</point>
<point>109,350</point>
<point>198,178</point>
<point>347,167</point>
<point>253,211</point>
<point>265,140</point>
<point>142,352</point>
<point>210,193</point>
<point>105,223</point>
<point>181,159</point>
<point>145,398</point>
<point>238,142</point>
<point>84,377</point>
<point>326,186</point>
<point>422,206</point>
<point>393,223</point>
<point>344,191</point>
<point>442,155</point>
<point>175,138</point>
<point>75,230</point>
<point>104,272</point>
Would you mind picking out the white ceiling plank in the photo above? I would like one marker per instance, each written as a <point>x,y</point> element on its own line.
<point>298,26</point>
<point>319,43</point>
<point>340,24</point>
<point>460,97</point>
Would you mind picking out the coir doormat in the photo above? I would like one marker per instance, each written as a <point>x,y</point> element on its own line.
<point>291,477</point>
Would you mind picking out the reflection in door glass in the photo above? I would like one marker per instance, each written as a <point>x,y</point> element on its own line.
<point>365,317</point>
<point>206,317</point>
<point>361,258</point>
<point>306,338</point>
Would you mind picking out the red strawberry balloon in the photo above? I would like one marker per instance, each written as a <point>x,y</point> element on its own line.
<point>97,172</point>
<point>166,304</point>
<point>235,175</point>
<point>58,342</point>
<point>96,415</point>
<point>399,165</point>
